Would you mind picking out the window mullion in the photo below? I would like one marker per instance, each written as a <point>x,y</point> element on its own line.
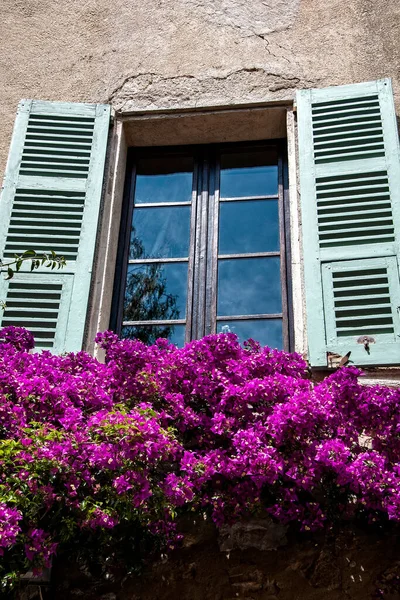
<point>282,239</point>
<point>200,251</point>
<point>212,249</point>
<point>192,290</point>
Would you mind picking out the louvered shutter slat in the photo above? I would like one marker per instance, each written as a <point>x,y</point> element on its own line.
<point>50,201</point>
<point>350,196</point>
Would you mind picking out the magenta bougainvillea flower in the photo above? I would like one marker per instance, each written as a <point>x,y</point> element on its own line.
<point>109,454</point>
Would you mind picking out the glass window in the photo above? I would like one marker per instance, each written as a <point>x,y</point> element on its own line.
<point>249,286</point>
<point>249,173</point>
<point>248,226</point>
<point>155,291</point>
<point>164,179</point>
<point>161,232</point>
<point>266,331</point>
<point>202,245</point>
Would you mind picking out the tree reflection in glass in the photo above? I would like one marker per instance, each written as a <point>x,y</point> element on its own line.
<point>147,297</point>
<point>149,334</point>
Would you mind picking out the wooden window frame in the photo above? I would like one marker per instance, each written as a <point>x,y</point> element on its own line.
<point>201,318</point>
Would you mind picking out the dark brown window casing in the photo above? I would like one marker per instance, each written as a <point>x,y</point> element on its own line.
<point>213,221</point>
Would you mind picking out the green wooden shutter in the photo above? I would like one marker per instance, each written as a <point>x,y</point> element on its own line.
<point>350,197</point>
<point>50,201</point>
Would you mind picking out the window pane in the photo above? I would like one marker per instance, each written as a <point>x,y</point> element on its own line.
<point>167,179</point>
<point>160,232</point>
<point>248,174</point>
<point>249,286</point>
<point>155,291</point>
<point>249,226</point>
<point>268,332</point>
<point>150,333</point>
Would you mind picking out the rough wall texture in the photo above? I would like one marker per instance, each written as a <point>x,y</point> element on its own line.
<point>253,561</point>
<point>183,53</point>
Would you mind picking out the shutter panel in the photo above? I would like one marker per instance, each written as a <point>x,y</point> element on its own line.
<point>50,201</point>
<point>350,199</point>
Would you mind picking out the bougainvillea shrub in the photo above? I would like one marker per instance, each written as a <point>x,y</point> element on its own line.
<point>101,458</point>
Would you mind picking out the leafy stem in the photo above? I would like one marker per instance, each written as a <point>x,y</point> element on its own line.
<point>48,259</point>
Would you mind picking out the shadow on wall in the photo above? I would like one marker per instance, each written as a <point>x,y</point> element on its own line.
<point>257,560</point>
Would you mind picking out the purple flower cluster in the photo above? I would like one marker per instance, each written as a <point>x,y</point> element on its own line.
<point>39,548</point>
<point>18,337</point>
<point>9,526</point>
<point>102,449</point>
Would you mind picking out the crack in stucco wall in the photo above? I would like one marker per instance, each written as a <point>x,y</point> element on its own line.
<point>258,17</point>
<point>187,53</point>
<point>247,84</point>
<point>277,73</point>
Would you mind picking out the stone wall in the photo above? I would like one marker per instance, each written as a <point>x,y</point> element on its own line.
<point>253,561</point>
<point>186,53</point>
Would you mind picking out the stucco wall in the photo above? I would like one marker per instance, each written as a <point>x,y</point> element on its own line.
<point>185,53</point>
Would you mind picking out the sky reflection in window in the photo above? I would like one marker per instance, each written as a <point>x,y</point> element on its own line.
<point>160,232</point>
<point>150,333</point>
<point>164,180</point>
<point>249,286</point>
<point>245,174</point>
<point>248,226</point>
<point>268,331</point>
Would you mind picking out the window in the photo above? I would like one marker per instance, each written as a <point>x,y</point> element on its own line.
<point>209,248</point>
<point>203,245</point>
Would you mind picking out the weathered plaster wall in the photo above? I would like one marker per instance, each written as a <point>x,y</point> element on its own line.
<point>185,53</point>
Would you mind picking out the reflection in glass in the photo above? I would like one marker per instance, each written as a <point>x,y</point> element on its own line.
<point>249,286</point>
<point>248,226</point>
<point>155,292</point>
<point>246,174</point>
<point>165,179</point>
<point>150,333</point>
<point>268,332</point>
<point>160,232</point>
<point>252,181</point>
